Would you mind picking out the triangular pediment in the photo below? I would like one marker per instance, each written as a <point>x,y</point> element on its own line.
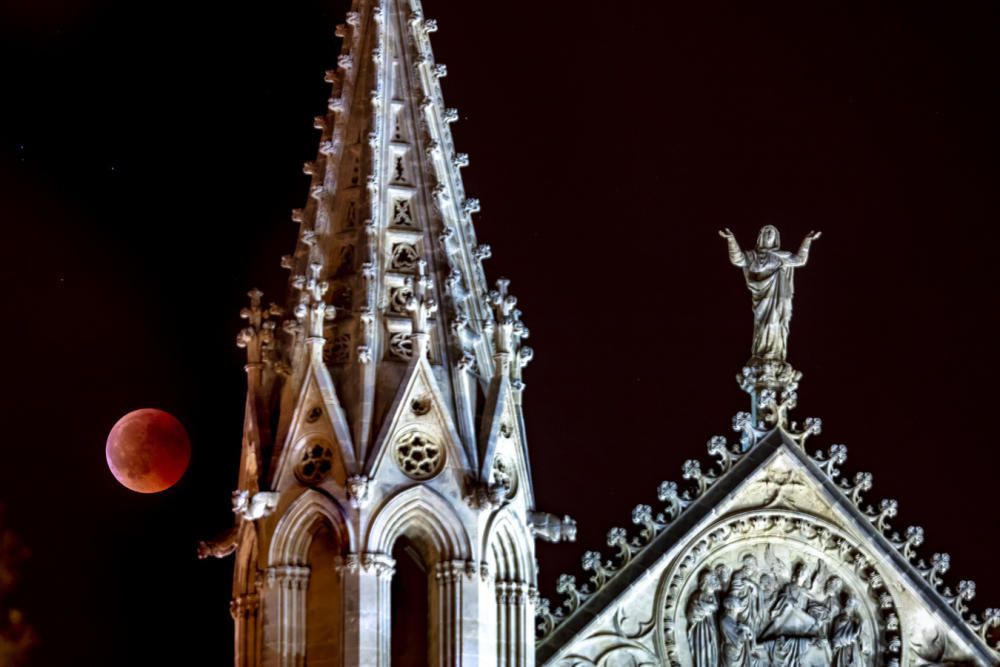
<point>502,449</point>
<point>765,548</point>
<point>317,421</point>
<point>418,408</point>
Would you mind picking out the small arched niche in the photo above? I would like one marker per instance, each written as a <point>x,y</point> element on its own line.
<point>410,641</point>
<point>324,601</point>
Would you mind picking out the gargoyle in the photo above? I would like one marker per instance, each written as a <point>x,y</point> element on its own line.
<point>551,528</point>
<point>256,507</point>
<point>246,508</point>
<point>221,546</point>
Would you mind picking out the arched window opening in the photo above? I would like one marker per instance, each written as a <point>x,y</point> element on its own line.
<point>410,607</point>
<point>323,603</point>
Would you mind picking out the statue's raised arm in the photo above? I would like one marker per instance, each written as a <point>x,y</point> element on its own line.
<point>736,255</point>
<point>768,272</point>
<point>800,258</point>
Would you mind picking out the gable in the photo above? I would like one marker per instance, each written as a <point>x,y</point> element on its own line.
<point>502,451</point>
<point>419,411</point>
<point>768,548</point>
<point>317,445</point>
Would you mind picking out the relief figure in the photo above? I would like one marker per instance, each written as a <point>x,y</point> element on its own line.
<point>779,617</point>
<point>846,636</point>
<point>702,608</point>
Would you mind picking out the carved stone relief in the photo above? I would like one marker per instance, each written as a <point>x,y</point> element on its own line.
<point>404,257</point>
<point>401,345</point>
<point>402,215</point>
<point>398,298</point>
<point>777,589</point>
<point>505,474</point>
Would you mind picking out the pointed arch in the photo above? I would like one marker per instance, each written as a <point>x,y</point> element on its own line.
<point>510,554</point>
<point>306,515</point>
<point>424,516</point>
<point>245,604</point>
<point>508,548</point>
<point>245,569</point>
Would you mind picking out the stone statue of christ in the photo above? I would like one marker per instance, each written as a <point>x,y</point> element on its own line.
<point>768,273</point>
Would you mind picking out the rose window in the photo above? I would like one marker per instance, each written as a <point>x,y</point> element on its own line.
<point>418,456</point>
<point>315,464</point>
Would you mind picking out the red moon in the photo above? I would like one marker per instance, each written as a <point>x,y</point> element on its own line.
<point>148,450</point>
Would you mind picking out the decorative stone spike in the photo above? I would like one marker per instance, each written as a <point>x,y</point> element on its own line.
<point>258,336</point>
<point>421,306</point>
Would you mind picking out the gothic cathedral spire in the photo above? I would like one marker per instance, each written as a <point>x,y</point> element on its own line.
<point>387,408</point>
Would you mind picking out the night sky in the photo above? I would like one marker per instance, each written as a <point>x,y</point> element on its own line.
<point>150,154</point>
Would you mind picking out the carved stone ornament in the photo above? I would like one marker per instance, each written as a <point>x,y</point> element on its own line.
<point>551,528</point>
<point>315,463</point>
<point>257,506</point>
<point>777,589</point>
<point>418,455</point>
<point>505,475</point>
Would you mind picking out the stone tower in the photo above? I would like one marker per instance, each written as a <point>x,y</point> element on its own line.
<point>384,404</point>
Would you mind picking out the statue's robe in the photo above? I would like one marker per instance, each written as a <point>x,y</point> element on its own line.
<point>702,634</point>
<point>768,273</point>
<point>846,639</point>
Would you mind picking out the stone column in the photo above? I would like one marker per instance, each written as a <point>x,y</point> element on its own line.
<point>456,601</point>
<point>515,615</point>
<point>243,608</point>
<point>366,580</point>
<point>285,615</point>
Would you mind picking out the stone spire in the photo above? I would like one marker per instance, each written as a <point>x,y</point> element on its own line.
<point>389,403</point>
<point>390,226</point>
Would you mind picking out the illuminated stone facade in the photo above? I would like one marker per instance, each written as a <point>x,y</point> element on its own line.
<point>384,407</point>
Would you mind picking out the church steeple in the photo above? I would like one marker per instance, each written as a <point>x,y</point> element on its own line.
<point>386,198</point>
<point>387,409</point>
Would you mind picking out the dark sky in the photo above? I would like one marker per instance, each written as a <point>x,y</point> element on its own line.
<point>150,153</point>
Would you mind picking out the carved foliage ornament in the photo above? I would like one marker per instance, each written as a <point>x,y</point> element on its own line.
<point>777,589</point>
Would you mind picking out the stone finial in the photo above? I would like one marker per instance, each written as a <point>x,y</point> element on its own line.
<point>258,337</point>
<point>421,305</point>
<point>508,330</point>
<point>312,310</point>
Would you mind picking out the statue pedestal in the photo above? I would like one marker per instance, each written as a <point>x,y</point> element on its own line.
<point>772,385</point>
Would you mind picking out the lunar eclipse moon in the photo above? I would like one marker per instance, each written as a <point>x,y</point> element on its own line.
<point>148,450</point>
